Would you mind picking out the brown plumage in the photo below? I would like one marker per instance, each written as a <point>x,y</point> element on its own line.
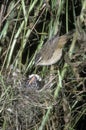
<point>51,51</point>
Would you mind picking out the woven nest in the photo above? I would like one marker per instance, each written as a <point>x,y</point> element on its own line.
<point>23,106</point>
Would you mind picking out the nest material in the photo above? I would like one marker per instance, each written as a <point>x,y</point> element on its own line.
<point>21,106</point>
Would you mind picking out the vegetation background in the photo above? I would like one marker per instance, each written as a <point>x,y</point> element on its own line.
<point>60,104</point>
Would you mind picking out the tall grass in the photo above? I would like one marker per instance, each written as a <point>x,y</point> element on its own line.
<point>24,26</point>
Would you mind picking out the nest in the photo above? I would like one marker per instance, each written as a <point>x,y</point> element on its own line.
<point>22,107</point>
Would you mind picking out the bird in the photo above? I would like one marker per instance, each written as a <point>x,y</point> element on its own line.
<point>51,52</point>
